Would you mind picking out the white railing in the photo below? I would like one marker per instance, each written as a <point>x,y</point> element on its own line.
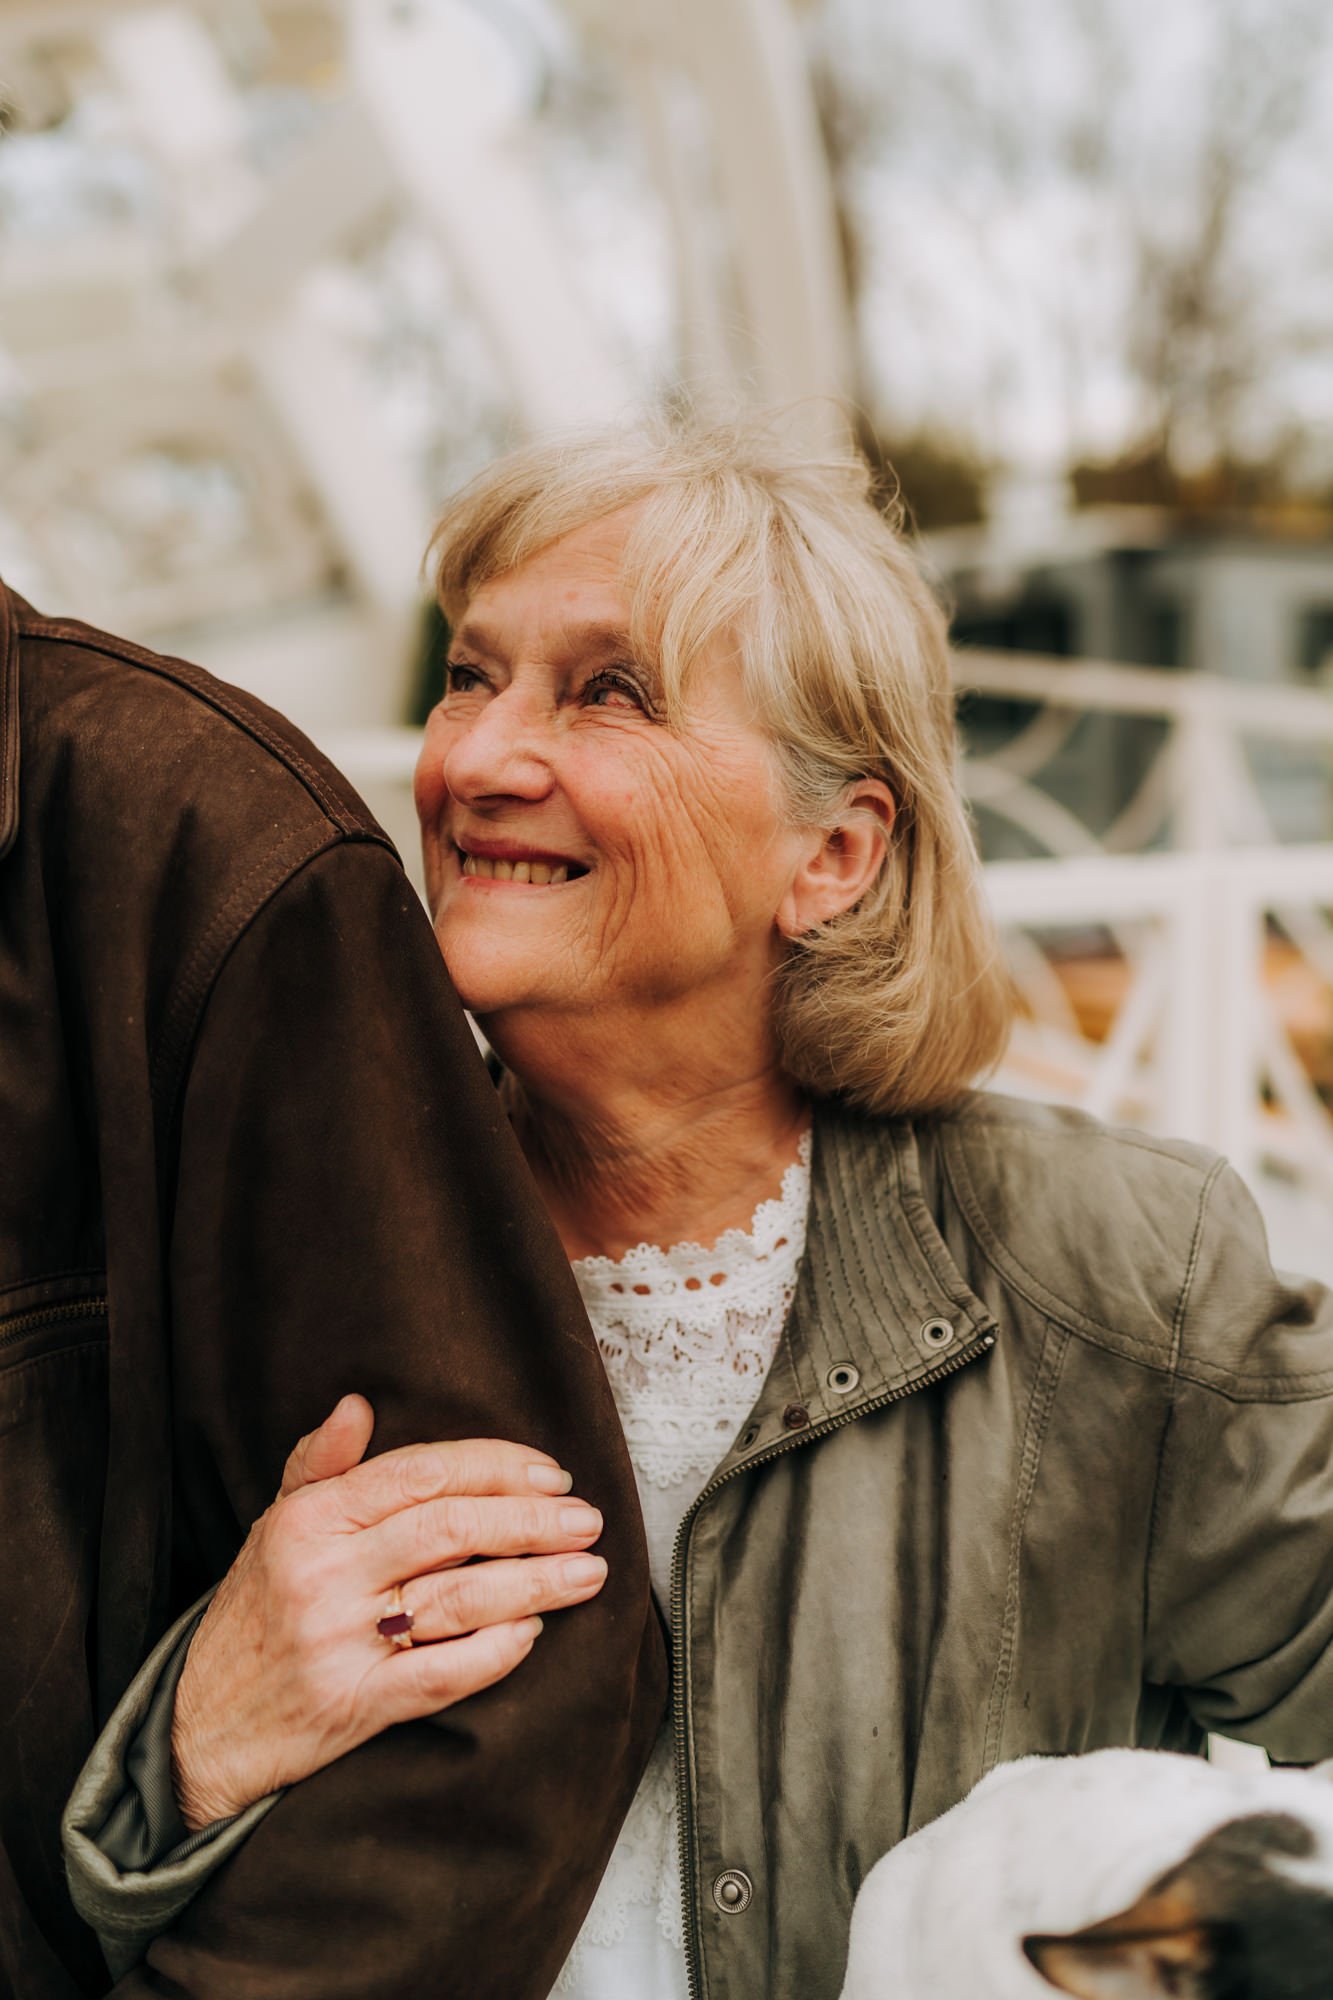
<point>1218,945</point>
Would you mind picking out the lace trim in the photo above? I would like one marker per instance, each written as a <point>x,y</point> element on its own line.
<point>688,1334</point>
<point>704,1283</point>
<point>644,1872</point>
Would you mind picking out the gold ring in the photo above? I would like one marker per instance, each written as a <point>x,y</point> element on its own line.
<point>396,1625</point>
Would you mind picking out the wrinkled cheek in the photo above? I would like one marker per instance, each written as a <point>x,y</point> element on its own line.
<point>663,930</point>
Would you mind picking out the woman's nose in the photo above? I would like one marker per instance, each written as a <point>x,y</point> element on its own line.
<point>502,751</point>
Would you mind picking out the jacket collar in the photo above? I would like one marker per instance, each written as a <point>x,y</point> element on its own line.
<point>880,1305</point>
<point>9,722</point>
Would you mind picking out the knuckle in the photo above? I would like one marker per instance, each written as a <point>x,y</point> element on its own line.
<point>466,1525</point>
<point>434,1534</point>
<point>536,1587</point>
<point>474,1598</point>
<point>420,1475</point>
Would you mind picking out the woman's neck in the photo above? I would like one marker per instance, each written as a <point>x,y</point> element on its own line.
<point>671,1158</point>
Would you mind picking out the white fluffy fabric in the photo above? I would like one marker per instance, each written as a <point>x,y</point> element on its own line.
<point>1051,1845</point>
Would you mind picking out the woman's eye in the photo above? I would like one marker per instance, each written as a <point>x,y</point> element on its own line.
<point>612,690</point>
<point>458,677</point>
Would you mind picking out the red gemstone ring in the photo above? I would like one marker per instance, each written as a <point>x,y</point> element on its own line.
<point>397,1623</point>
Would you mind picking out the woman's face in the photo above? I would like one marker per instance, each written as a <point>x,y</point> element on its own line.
<point>580,854</point>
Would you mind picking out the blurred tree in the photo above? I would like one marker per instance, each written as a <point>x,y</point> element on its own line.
<point>1267,487</point>
<point>938,482</point>
<point>1096,224</point>
<point>428,663</point>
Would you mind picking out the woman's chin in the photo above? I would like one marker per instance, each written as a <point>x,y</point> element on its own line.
<point>493,982</point>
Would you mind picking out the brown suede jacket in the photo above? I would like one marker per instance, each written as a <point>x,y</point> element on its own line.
<point>249,1159</point>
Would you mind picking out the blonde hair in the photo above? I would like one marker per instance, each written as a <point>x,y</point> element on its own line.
<point>902,1001</point>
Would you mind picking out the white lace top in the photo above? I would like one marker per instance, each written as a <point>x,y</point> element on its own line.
<point>687,1335</point>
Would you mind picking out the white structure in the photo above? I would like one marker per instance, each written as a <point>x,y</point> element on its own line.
<point>202,389</point>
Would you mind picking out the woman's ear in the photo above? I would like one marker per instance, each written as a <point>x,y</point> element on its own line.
<point>841,860</point>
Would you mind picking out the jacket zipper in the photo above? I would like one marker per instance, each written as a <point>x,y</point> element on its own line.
<point>680,1633</point>
<point>14,1329</point>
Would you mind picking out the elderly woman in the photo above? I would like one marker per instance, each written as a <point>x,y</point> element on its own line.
<point>963,1428</point>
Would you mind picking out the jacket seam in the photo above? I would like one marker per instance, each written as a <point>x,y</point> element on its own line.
<point>96,1271</point>
<point>251,894</point>
<point>1271,1389</point>
<point>1177,1342</point>
<point>1049,1371</point>
<point>1192,1264</point>
<point>344,818</point>
<point>1094,1129</point>
<point>1163,1359</point>
<point>1012,1272</point>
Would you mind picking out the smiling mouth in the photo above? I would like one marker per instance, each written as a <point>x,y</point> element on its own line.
<point>538,873</point>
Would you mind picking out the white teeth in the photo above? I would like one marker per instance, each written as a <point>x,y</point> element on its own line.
<point>540,872</point>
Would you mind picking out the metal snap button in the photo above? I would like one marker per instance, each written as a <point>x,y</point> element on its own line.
<point>842,1378</point>
<point>937,1332</point>
<point>796,1416</point>
<point>732,1892</point>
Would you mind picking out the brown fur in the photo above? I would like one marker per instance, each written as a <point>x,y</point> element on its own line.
<point>1224,1925</point>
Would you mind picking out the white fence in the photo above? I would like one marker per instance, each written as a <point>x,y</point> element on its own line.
<point>1218,943</point>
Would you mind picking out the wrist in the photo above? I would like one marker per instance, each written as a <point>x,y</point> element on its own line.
<point>200,1800</point>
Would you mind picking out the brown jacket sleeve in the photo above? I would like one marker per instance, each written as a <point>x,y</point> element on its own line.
<point>351,1212</point>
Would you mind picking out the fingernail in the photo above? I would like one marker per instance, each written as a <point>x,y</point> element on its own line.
<point>530,1628</point>
<point>580,1571</point>
<point>580,1519</point>
<point>550,1479</point>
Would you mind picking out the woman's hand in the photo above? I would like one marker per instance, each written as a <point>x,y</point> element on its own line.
<point>287,1670</point>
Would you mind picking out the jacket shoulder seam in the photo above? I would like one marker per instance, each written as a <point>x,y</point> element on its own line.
<point>1161,1358</point>
<point>203,687</point>
<point>1192,1263</point>
<point>1094,1129</point>
<point>230,922</point>
<point>1029,1286</point>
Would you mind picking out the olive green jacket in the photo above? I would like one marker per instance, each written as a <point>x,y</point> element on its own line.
<point>1044,1463</point>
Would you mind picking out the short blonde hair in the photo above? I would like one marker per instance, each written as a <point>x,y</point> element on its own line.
<point>901,1002</point>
